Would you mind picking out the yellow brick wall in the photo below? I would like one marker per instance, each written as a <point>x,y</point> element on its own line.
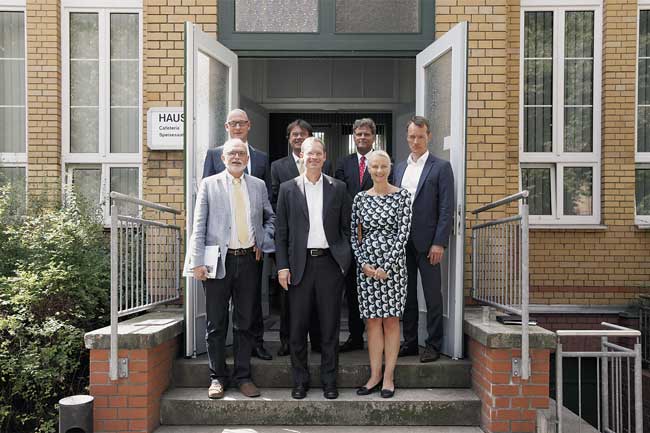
<point>566,266</point>
<point>44,98</point>
<point>164,22</point>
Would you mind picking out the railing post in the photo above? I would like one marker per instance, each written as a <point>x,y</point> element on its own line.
<point>604,368</point>
<point>558,384</point>
<point>638,388</point>
<point>525,361</point>
<point>114,289</point>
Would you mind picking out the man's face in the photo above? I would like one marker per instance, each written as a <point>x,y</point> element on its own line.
<point>315,157</point>
<point>364,139</point>
<point>296,136</point>
<point>236,158</point>
<point>238,126</point>
<point>418,137</point>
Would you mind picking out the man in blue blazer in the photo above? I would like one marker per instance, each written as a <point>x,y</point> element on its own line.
<point>238,125</point>
<point>430,181</point>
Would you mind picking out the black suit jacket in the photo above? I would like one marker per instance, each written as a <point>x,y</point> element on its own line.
<point>285,169</point>
<point>292,225</point>
<point>259,165</point>
<point>433,205</point>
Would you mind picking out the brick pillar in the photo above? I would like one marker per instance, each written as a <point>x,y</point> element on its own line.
<point>44,98</point>
<point>509,404</point>
<point>131,404</point>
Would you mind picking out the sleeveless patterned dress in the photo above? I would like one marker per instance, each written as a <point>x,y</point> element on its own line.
<point>385,223</point>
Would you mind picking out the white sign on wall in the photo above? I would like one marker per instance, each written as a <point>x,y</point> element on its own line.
<point>165,128</point>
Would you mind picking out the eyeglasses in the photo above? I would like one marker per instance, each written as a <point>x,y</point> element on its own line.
<point>237,123</point>
<point>234,153</point>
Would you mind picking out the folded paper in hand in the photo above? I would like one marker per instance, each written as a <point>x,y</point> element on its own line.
<point>210,260</point>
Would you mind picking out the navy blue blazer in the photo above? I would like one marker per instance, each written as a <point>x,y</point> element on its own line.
<point>433,205</point>
<point>259,165</point>
<point>347,170</point>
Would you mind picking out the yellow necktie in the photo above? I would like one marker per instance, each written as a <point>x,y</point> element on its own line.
<point>240,212</point>
<point>301,166</point>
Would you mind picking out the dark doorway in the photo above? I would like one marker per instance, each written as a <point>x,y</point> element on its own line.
<point>335,129</point>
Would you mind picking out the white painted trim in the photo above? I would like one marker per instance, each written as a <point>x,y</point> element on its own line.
<point>13,4</point>
<point>643,3</point>
<point>572,4</point>
<point>101,4</point>
<point>557,158</point>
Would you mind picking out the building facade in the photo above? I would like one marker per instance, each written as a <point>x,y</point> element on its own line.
<point>557,103</point>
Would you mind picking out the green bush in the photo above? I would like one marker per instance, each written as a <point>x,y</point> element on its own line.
<point>54,286</point>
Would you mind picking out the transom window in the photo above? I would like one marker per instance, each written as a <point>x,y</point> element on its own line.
<point>13,113</point>
<point>642,171</point>
<point>560,114</point>
<point>102,120</point>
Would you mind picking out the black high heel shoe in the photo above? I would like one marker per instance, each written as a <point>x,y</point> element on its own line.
<point>387,393</point>
<point>365,391</point>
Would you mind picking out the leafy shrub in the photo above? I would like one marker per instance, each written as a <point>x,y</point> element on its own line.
<point>54,286</point>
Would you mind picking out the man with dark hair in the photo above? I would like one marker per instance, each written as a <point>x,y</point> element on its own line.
<point>284,169</point>
<point>430,181</point>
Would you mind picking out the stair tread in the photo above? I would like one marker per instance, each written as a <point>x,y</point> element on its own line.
<point>316,429</point>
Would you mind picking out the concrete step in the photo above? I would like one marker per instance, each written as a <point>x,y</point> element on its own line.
<point>316,429</point>
<point>354,370</point>
<point>409,407</point>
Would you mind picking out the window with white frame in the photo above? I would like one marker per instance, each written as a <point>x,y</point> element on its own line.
<point>560,113</point>
<point>13,113</point>
<point>102,120</point>
<point>643,120</point>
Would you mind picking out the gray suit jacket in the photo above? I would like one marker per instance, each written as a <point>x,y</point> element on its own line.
<point>212,218</point>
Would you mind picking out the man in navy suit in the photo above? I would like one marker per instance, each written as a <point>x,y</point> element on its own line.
<point>238,125</point>
<point>430,181</point>
<point>353,171</point>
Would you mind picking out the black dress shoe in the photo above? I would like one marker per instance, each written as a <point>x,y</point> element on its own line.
<point>299,392</point>
<point>429,355</point>
<point>261,353</point>
<point>331,393</point>
<point>351,344</point>
<point>405,350</point>
<point>387,393</point>
<point>284,350</point>
<point>365,391</point>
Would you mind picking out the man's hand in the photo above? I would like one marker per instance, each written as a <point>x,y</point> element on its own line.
<point>200,273</point>
<point>369,270</point>
<point>258,253</point>
<point>284,278</point>
<point>435,254</point>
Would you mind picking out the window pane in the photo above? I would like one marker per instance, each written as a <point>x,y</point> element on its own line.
<point>12,129</point>
<point>84,130</point>
<point>84,36</point>
<point>578,191</point>
<point>125,130</point>
<point>643,126</point>
<point>16,179</point>
<point>643,191</point>
<point>12,77</point>
<point>125,180</point>
<point>437,102</point>
<point>377,16</point>
<point>579,34</point>
<point>643,120</point>
<point>538,183</point>
<point>125,86</point>
<point>276,16</point>
<point>86,184</point>
<point>84,83</point>
<point>538,82</point>
<point>12,35</point>
<point>125,36</point>
<point>578,129</point>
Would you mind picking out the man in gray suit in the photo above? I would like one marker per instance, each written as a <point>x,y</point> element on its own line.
<point>430,181</point>
<point>313,254</point>
<point>232,211</point>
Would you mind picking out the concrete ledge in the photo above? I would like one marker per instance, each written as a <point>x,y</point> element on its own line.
<point>143,332</point>
<point>496,335</point>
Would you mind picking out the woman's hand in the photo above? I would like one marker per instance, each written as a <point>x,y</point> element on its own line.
<point>368,270</point>
<point>381,274</point>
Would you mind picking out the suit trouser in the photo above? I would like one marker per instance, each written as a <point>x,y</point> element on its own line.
<point>430,275</point>
<point>258,323</point>
<point>321,282</point>
<point>355,323</point>
<point>240,283</point>
<point>285,322</point>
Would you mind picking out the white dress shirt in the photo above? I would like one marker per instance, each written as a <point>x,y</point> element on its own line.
<point>296,159</point>
<point>314,197</point>
<point>234,240</point>
<point>413,172</point>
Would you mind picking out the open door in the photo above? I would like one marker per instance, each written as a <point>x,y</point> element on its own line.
<point>441,96</point>
<point>211,91</point>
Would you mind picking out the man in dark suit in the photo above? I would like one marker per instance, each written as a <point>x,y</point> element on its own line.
<point>238,126</point>
<point>430,181</point>
<point>353,171</point>
<point>313,254</point>
<point>284,169</point>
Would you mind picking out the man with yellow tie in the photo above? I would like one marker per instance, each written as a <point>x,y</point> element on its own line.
<point>232,211</point>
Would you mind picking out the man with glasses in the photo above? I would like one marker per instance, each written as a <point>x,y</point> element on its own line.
<point>238,126</point>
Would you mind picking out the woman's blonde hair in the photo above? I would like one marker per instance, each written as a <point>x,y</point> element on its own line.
<point>380,153</point>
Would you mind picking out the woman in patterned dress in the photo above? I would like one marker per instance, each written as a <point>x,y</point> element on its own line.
<point>381,220</point>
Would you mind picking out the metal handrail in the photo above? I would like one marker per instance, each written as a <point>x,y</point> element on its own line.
<point>500,265</point>
<point>613,380</point>
<point>145,264</point>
